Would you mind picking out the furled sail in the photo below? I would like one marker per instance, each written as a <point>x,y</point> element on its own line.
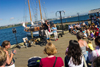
<point>23,24</point>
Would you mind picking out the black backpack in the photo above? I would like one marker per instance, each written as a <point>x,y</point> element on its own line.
<point>34,61</point>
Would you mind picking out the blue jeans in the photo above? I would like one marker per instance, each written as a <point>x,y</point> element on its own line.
<point>86,57</point>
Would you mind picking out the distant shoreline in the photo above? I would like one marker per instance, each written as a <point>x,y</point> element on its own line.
<point>10,26</point>
<point>16,25</point>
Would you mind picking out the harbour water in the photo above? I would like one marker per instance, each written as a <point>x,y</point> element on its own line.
<point>7,34</point>
<point>73,19</point>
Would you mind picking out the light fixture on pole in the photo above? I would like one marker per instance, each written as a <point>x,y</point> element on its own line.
<point>61,18</point>
<point>14,31</point>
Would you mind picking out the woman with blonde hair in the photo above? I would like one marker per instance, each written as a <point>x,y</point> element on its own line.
<point>3,58</point>
<point>54,28</point>
<point>51,60</point>
<point>6,45</point>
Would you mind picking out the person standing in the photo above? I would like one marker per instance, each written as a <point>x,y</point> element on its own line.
<point>54,28</point>
<point>6,45</point>
<point>83,45</point>
<point>45,27</point>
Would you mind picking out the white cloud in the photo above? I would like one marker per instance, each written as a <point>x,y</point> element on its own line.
<point>1,19</point>
<point>11,18</point>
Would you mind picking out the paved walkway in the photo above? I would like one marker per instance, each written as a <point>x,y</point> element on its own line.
<point>23,54</point>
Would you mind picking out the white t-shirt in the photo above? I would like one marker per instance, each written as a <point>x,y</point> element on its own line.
<point>70,26</point>
<point>71,64</point>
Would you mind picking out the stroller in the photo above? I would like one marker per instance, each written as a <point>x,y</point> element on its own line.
<point>34,61</point>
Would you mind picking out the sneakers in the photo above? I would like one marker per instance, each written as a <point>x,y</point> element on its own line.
<point>56,39</point>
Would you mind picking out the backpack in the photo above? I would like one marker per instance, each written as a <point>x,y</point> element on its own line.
<point>34,61</point>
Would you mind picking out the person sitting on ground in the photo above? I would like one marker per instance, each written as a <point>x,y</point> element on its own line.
<point>51,60</point>
<point>74,57</point>
<point>26,42</point>
<point>95,53</point>
<point>83,45</point>
<point>54,28</point>
<point>92,24</point>
<point>96,33</point>
<point>6,45</point>
<point>84,33</point>
<point>70,28</point>
<point>90,45</point>
<point>3,58</point>
<point>78,26</point>
<point>88,32</point>
<point>92,35</point>
<point>96,28</point>
<point>96,62</point>
<point>75,31</point>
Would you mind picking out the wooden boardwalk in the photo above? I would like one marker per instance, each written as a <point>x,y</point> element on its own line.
<point>23,54</point>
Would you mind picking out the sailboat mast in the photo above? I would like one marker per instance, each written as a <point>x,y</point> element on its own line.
<point>40,10</point>
<point>29,11</point>
<point>30,18</point>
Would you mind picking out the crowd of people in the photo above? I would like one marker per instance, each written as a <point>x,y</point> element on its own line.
<point>78,53</point>
<point>89,31</point>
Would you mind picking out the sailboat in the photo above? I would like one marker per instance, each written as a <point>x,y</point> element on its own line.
<point>34,28</point>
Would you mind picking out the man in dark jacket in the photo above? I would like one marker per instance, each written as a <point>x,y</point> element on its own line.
<point>45,27</point>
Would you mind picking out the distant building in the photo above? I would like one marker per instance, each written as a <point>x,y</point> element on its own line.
<point>94,11</point>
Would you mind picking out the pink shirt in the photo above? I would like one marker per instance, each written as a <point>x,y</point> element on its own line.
<point>49,62</point>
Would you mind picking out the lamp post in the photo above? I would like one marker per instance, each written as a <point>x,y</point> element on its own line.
<point>61,18</point>
<point>14,31</point>
<point>78,16</point>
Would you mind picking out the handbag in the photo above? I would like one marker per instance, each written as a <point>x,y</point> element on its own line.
<point>55,62</point>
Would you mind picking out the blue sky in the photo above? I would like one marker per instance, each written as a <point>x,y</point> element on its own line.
<point>14,11</point>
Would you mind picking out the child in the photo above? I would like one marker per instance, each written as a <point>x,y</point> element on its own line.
<point>89,43</point>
